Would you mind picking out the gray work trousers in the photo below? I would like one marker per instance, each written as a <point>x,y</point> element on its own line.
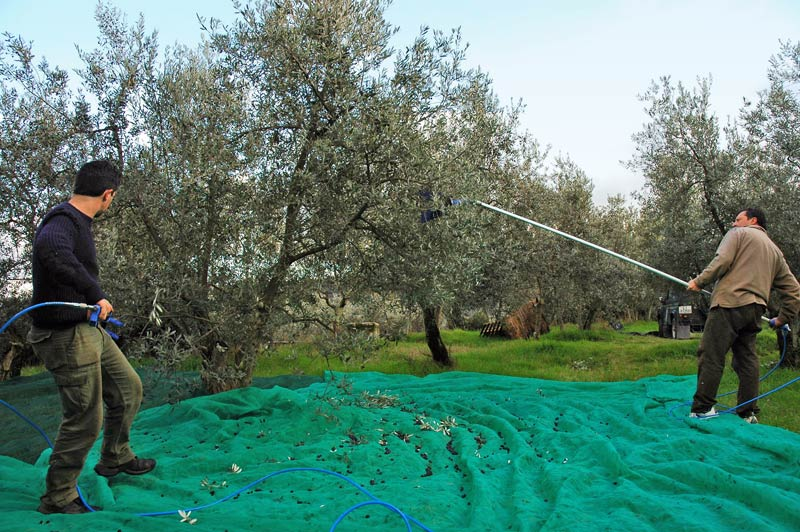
<point>726,329</point>
<point>89,370</point>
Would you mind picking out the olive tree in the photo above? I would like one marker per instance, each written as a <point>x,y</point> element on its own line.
<point>578,284</point>
<point>43,139</point>
<point>770,151</point>
<point>690,174</point>
<point>347,147</point>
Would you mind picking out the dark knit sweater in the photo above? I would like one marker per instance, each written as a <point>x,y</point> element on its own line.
<point>64,267</point>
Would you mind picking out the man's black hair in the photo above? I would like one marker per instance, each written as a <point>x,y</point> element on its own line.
<point>755,212</point>
<point>95,177</point>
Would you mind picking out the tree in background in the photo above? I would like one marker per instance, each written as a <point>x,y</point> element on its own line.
<point>771,149</point>
<point>770,154</point>
<point>190,236</point>
<point>689,177</point>
<point>579,284</point>
<point>43,139</point>
<point>512,253</point>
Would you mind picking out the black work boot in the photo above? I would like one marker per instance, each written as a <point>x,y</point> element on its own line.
<point>137,466</point>
<point>75,507</point>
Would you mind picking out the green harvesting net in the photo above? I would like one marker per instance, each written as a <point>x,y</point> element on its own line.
<point>447,452</point>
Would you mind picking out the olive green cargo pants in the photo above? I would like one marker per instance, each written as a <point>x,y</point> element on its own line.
<point>89,370</point>
<point>726,329</point>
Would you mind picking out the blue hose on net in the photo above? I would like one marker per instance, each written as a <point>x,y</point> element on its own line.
<point>39,429</point>
<point>408,520</point>
<point>784,330</point>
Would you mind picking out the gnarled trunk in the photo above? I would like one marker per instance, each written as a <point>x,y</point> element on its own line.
<point>226,368</point>
<point>430,317</point>
<point>13,360</point>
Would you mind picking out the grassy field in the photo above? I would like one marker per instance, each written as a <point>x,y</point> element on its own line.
<point>568,354</point>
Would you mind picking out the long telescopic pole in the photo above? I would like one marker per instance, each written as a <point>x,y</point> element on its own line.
<point>586,243</point>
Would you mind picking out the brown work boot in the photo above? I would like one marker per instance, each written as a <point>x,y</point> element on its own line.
<point>137,466</point>
<point>75,507</point>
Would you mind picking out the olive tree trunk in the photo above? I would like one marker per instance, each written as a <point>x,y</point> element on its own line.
<point>430,317</point>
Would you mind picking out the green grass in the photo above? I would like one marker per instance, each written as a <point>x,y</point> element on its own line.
<point>568,354</point>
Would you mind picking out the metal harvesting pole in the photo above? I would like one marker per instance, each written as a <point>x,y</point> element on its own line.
<point>586,243</point>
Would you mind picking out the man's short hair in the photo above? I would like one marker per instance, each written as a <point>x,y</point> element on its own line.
<point>95,177</point>
<point>755,212</point>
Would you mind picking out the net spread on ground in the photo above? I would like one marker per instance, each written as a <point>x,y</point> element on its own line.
<point>454,451</point>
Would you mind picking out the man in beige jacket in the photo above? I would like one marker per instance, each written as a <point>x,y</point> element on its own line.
<point>747,266</point>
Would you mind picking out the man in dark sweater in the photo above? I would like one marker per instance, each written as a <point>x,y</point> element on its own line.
<point>88,367</point>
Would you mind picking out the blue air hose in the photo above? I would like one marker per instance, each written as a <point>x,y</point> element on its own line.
<point>82,306</point>
<point>375,501</point>
<point>29,422</point>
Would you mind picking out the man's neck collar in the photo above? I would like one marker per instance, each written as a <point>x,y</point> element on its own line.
<point>87,205</point>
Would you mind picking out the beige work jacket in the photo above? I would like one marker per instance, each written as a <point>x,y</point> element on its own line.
<point>747,266</point>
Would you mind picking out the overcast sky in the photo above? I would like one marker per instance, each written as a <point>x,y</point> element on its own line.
<point>577,65</point>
